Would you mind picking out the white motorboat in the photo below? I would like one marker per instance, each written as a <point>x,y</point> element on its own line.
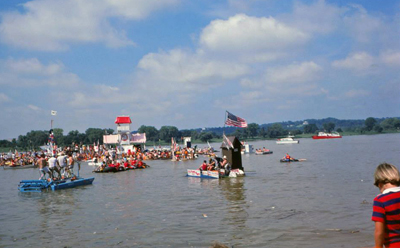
<point>287,140</point>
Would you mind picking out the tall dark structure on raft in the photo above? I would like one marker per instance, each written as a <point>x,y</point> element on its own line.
<point>232,148</point>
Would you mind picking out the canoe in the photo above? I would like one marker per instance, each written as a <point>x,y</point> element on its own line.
<point>293,160</point>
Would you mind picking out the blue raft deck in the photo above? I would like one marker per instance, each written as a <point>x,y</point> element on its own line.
<point>39,185</point>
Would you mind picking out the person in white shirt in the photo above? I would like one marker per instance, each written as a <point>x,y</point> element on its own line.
<point>62,161</point>
<point>54,166</point>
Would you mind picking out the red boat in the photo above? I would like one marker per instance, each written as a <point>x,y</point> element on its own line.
<point>323,135</point>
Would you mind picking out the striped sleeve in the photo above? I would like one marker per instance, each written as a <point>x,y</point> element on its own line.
<point>378,211</point>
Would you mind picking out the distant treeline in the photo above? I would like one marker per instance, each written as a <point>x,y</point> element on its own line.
<point>35,139</point>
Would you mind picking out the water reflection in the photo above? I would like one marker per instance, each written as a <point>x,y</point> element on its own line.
<point>236,215</point>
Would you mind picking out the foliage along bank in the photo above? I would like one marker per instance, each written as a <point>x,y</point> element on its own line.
<point>34,139</point>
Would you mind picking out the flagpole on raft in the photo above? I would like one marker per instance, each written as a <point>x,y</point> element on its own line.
<point>223,129</point>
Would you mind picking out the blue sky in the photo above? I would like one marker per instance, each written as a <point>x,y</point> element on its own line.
<point>183,63</point>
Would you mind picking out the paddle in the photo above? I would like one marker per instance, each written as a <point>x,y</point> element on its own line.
<point>301,159</point>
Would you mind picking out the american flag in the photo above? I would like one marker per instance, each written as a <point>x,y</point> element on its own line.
<point>233,120</point>
<point>227,142</point>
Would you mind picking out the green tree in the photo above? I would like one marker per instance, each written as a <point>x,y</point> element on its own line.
<point>94,134</point>
<point>168,132</point>
<point>310,128</point>
<point>238,133</point>
<point>329,127</point>
<point>252,130</point>
<point>194,134</point>
<point>276,130</point>
<point>205,136</point>
<point>59,136</point>
<point>390,123</point>
<point>378,129</point>
<point>370,123</point>
<point>262,133</point>
<point>150,131</point>
<point>74,137</point>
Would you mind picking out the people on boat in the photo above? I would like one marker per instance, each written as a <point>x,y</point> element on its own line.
<point>43,168</point>
<point>211,164</point>
<point>140,164</point>
<point>225,165</point>
<point>70,165</point>
<point>54,166</point>
<point>62,161</point>
<point>203,166</point>
<point>288,158</point>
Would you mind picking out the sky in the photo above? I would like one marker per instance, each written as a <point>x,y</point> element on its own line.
<point>185,63</point>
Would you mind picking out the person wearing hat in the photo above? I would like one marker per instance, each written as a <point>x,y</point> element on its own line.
<point>225,165</point>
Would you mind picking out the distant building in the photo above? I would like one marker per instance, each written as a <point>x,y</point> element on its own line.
<point>305,123</point>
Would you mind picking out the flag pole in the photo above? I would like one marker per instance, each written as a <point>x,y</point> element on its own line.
<point>223,129</point>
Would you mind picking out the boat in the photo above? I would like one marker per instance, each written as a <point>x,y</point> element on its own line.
<point>292,160</point>
<point>263,152</point>
<point>247,148</point>
<point>324,135</point>
<point>288,140</point>
<point>29,166</point>
<point>203,174</point>
<point>214,174</point>
<point>71,183</point>
<point>107,169</point>
<point>40,185</point>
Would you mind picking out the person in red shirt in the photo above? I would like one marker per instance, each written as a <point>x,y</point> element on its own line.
<point>140,164</point>
<point>203,166</point>
<point>386,208</point>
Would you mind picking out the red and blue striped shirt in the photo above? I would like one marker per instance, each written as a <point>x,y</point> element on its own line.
<point>386,209</point>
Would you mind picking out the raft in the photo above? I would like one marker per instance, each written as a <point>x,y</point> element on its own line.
<point>263,152</point>
<point>40,185</point>
<point>107,170</point>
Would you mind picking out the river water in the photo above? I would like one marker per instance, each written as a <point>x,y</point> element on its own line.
<point>325,201</point>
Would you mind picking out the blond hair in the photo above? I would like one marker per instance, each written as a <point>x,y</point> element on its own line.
<point>387,173</point>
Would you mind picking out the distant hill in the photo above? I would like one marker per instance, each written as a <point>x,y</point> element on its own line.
<point>293,125</point>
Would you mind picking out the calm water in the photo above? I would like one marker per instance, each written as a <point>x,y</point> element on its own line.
<point>325,201</point>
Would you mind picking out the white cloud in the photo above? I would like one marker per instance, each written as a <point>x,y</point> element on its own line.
<point>359,61</point>
<point>265,37</point>
<point>33,73</point>
<point>186,71</point>
<point>51,25</point>
<point>33,107</point>
<point>356,93</point>
<point>391,58</point>
<point>362,26</point>
<point>33,66</point>
<point>4,98</point>
<point>295,73</point>
<point>318,17</point>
